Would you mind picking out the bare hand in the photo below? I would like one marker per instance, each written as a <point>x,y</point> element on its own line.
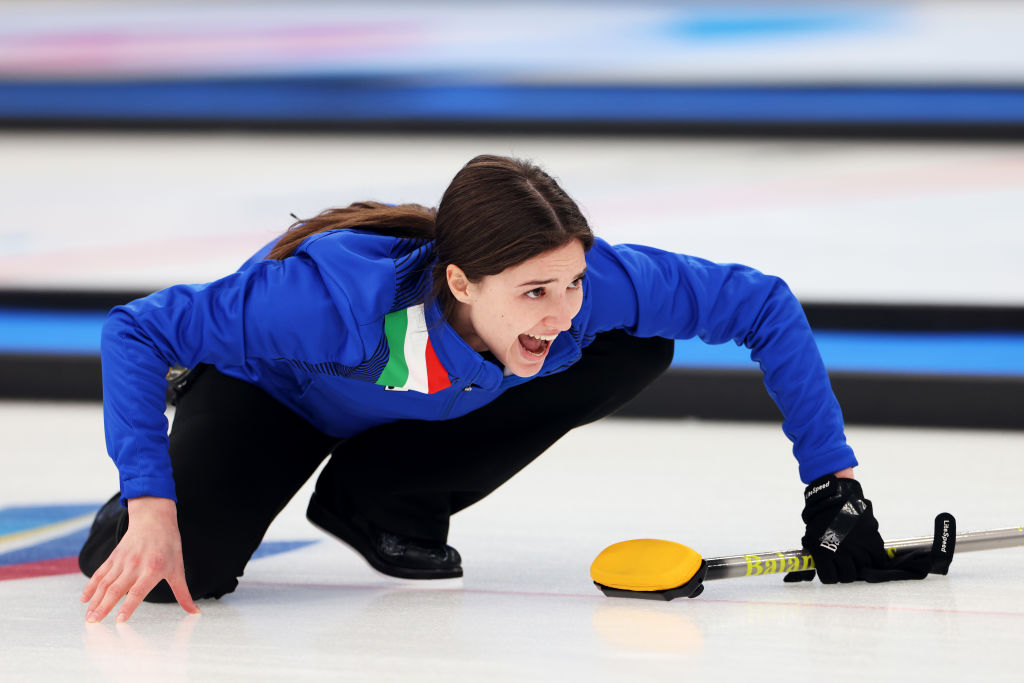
<point>149,551</point>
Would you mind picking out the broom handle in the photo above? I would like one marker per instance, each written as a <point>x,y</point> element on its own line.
<point>757,564</point>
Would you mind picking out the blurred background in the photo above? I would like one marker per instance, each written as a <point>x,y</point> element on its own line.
<point>870,153</point>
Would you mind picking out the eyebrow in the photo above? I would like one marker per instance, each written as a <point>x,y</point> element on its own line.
<point>534,283</point>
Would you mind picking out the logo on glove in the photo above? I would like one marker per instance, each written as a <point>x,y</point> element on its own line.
<point>831,541</point>
<point>820,487</point>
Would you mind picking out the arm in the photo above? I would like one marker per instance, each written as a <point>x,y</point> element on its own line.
<point>719,303</point>
<point>277,309</point>
<point>650,292</point>
<point>269,311</point>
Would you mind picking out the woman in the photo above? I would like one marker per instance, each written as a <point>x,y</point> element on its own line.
<point>431,355</point>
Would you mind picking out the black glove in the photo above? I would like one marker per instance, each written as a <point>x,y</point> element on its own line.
<point>842,537</point>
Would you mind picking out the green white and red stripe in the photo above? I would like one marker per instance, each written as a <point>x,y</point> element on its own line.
<point>412,363</point>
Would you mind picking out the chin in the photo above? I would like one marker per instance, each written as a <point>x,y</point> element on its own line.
<point>524,372</point>
<point>519,369</point>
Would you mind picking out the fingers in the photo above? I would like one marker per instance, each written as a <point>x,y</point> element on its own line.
<point>94,581</point>
<point>115,580</point>
<point>182,594</point>
<point>907,565</point>
<point>796,577</point>
<point>108,585</point>
<point>842,567</point>
<point>134,590</point>
<point>846,569</point>
<point>826,568</point>
<point>134,598</point>
<point>108,592</point>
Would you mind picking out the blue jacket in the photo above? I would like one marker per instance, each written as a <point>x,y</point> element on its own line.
<point>309,330</point>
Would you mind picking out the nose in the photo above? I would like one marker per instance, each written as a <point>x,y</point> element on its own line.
<point>562,312</point>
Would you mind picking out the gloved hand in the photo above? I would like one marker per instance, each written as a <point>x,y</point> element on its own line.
<point>842,537</point>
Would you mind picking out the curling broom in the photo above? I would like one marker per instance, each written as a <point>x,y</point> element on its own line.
<point>664,570</point>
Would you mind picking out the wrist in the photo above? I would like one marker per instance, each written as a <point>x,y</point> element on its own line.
<point>845,474</point>
<point>152,507</point>
<point>830,489</point>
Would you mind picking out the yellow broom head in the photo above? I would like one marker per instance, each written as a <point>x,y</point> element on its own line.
<point>645,564</point>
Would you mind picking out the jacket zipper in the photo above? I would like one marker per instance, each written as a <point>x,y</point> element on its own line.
<point>456,394</point>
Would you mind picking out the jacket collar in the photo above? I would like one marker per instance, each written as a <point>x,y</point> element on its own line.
<point>463,363</point>
<point>456,356</point>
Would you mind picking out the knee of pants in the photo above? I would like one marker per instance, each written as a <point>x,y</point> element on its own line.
<point>655,354</point>
<point>640,359</point>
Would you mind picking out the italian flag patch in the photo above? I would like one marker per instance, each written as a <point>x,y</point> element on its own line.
<point>412,363</point>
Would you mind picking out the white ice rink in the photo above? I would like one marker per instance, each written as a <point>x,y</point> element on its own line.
<point>526,609</point>
<point>864,222</point>
<point>868,221</point>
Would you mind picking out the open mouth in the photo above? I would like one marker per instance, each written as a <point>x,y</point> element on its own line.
<point>536,345</point>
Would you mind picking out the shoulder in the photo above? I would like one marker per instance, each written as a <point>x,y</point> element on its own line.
<point>614,265</point>
<point>359,244</point>
<point>376,274</point>
<point>605,256</point>
<point>648,266</point>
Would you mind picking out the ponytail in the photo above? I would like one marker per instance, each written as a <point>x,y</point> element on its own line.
<point>404,220</point>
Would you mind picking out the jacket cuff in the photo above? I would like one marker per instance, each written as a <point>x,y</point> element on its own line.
<point>827,463</point>
<point>147,486</point>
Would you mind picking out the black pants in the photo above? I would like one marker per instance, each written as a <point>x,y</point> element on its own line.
<point>239,456</point>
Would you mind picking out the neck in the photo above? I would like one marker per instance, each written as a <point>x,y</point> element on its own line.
<point>463,326</point>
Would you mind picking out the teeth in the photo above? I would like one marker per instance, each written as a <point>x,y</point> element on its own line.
<point>542,337</point>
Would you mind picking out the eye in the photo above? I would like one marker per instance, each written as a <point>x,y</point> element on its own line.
<point>576,283</point>
<point>535,293</point>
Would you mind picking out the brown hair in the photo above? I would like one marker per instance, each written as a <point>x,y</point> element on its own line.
<point>405,220</point>
<point>496,213</point>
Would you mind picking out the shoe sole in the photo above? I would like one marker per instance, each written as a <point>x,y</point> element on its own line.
<point>326,520</point>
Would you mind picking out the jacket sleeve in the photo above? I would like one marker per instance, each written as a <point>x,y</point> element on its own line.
<point>272,310</point>
<point>650,292</point>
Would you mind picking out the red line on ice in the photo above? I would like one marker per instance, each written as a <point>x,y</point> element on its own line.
<point>28,570</point>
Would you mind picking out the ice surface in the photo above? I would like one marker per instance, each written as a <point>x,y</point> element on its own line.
<point>526,609</point>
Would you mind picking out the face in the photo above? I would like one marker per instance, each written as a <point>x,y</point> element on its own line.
<point>517,313</point>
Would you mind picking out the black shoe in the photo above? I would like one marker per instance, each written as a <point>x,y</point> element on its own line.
<point>108,512</point>
<point>388,553</point>
<point>107,528</point>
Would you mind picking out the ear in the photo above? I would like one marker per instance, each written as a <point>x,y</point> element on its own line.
<point>458,283</point>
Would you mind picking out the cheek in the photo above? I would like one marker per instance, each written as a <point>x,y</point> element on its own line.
<point>496,318</point>
<point>514,318</point>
